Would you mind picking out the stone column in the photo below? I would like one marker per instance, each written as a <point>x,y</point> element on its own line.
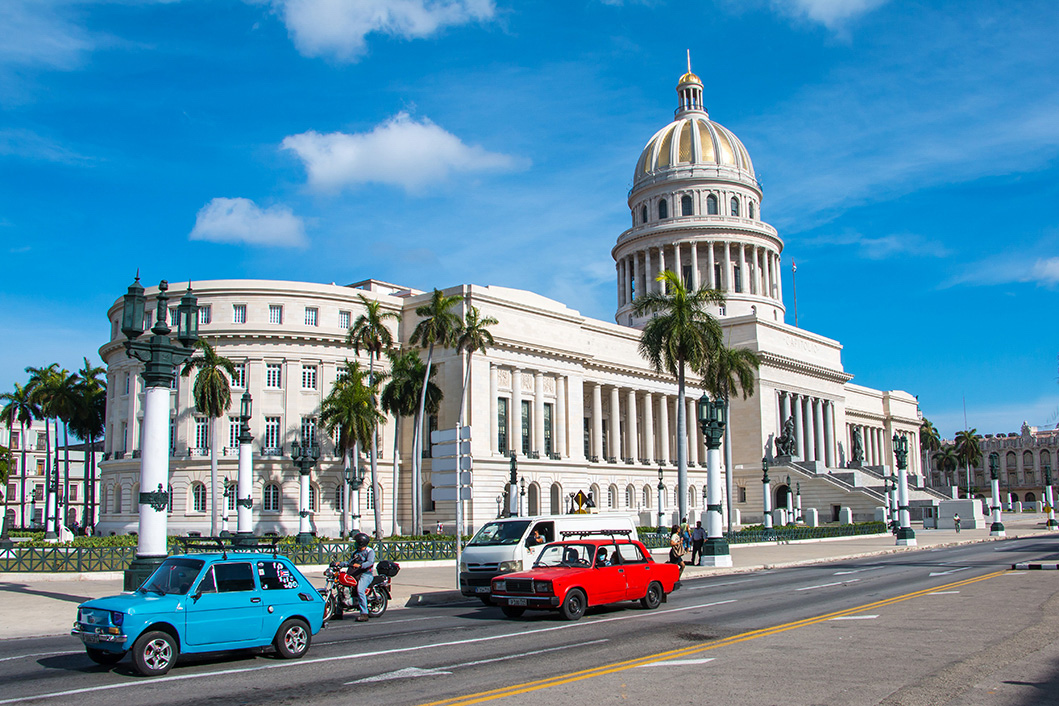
<point>515,437</point>
<point>538,412</point>
<point>695,279</point>
<point>829,433</point>
<point>597,421</point>
<point>726,275</point>
<point>744,276</point>
<point>785,404</point>
<point>649,428</point>
<point>663,430</point>
<point>810,431</point>
<point>818,424</point>
<point>661,264</point>
<point>614,443</point>
<point>770,275</point>
<point>619,276</point>
<point>133,442</point>
<point>677,263</point>
<point>648,279</point>
<point>560,414</point>
<point>710,267</point>
<point>693,433</point>
<point>494,411</point>
<point>631,432</point>
<point>779,278</point>
<point>796,408</point>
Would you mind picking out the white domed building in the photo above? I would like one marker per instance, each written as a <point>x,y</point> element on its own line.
<point>570,395</point>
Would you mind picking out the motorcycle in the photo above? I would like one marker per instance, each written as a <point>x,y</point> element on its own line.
<point>340,591</point>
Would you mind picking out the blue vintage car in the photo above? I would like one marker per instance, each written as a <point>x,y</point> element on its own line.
<point>204,603</point>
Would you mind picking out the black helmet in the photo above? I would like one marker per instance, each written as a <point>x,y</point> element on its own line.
<point>361,540</point>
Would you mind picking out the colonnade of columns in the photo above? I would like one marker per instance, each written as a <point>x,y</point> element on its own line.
<point>814,426</point>
<point>547,432</point>
<point>714,265</point>
<point>874,441</point>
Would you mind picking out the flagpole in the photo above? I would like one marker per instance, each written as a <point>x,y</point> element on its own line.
<point>794,282</point>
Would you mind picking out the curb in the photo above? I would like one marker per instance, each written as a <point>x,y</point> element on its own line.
<point>1025,566</point>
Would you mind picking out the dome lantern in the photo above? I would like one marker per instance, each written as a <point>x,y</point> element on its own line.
<point>689,88</point>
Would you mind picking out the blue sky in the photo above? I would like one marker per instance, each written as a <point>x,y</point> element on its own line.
<point>908,151</point>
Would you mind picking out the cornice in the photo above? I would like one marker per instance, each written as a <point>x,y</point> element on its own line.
<point>783,362</point>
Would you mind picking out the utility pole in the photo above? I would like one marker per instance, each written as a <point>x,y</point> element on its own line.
<point>794,287</point>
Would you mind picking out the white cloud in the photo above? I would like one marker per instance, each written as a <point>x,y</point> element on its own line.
<point>401,152</point>
<point>339,28</point>
<point>240,220</point>
<point>883,247</point>
<point>27,144</point>
<point>830,13</point>
<point>40,33</point>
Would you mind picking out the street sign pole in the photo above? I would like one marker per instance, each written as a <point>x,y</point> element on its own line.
<point>451,475</point>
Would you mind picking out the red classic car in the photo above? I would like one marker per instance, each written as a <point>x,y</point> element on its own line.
<point>576,574</point>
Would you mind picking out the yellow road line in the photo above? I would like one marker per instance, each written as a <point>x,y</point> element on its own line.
<point>528,687</point>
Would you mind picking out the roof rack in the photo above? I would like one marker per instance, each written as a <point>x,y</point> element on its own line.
<point>581,534</point>
<point>225,544</point>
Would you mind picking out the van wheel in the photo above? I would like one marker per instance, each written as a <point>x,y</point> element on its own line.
<point>513,611</point>
<point>574,605</point>
<point>653,598</point>
<point>486,600</point>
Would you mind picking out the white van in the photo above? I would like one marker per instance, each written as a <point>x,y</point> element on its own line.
<point>508,544</point>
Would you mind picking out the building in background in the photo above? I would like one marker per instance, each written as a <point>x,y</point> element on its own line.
<point>1024,457</point>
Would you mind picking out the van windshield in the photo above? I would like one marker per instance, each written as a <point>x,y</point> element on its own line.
<point>497,533</point>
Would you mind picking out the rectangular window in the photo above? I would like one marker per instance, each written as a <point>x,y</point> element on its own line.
<point>548,428</point>
<point>205,314</point>
<point>128,378</point>
<point>73,493</point>
<point>501,424</point>
<point>526,426</point>
<point>343,319</point>
<point>12,491</point>
<point>172,316</point>
<point>239,378</point>
<point>148,320</point>
<point>172,434</point>
<point>742,494</point>
<point>310,315</point>
<point>38,492</point>
<point>16,440</point>
<point>124,437</point>
<point>308,377</point>
<point>309,431</point>
<point>40,466</point>
<point>202,433</point>
<point>738,278</point>
<point>274,375</point>
<point>687,275</point>
<point>431,424</point>
<point>271,433</point>
<point>234,423</point>
<point>275,313</point>
<point>238,313</point>
<point>588,438</point>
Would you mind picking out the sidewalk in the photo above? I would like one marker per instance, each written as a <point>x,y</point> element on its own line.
<point>45,604</point>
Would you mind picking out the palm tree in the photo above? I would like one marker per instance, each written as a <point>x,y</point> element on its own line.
<point>400,398</point>
<point>213,396</point>
<point>947,459</point>
<point>66,397</point>
<point>969,451</point>
<point>370,333</point>
<point>681,334</point>
<point>39,387</point>
<point>929,440</point>
<point>439,326</point>
<point>88,424</point>
<point>350,413</point>
<point>730,370</point>
<point>19,406</point>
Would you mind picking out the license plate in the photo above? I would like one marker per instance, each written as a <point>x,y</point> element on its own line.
<point>88,637</point>
<point>516,601</point>
<point>481,589</point>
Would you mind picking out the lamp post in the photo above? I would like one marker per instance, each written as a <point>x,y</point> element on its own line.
<point>1049,498</point>
<point>798,503</point>
<point>713,415</point>
<point>905,536</point>
<point>790,502</point>
<point>244,490</point>
<point>499,505</point>
<point>304,457</point>
<point>521,495</point>
<point>160,355</point>
<point>51,502</point>
<point>661,497</point>
<point>224,509</point>
<point>997,528</point>
<point>354,477</point>
<point>766,497</point>
<point>512,487</point>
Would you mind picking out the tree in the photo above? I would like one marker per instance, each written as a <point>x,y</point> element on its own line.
<point>969,451</point>
<point>88,424</point>
<point>929,441</point>
<point>682,334</point>
<point>19,407</point>
<point>65,398</point>
<point>730,370</point>
<point>439,326</point>
<point>947,459</point>
<point>41,381</point>
<point>370,333</point>
<point>213,396</point>
<point>351,415</point>
<point>401,397</point>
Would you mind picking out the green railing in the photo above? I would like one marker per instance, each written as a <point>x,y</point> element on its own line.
<point>66,559</point>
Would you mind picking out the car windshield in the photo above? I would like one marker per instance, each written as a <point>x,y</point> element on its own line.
<point>174,576</point>
<point>496,533</point>
<point>566,555</point>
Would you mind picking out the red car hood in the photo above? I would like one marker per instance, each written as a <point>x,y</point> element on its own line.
<point>546,574</point>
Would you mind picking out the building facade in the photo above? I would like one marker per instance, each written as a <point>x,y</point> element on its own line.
<point>1025,458</point>
<point>569,395</point>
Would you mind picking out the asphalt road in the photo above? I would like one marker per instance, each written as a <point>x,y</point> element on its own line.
<point>950,625</point>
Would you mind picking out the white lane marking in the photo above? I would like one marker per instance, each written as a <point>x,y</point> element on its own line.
<point>667,663</point>
<point>825,585</point>
<point>857,571</point>
<point>36,654</point>
<point>941,593</point>
<point>1015,573</point>
<point>341,658</point>
<point>856,617</point>
<point>714,585</point>
<point>950,571</point>
<point>417,672</point>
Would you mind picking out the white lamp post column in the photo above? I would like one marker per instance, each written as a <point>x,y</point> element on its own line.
<point>712,419</point>
<point>905,536</point>
<point>244,490</point>
<point>766,498</point>
<point>1049,498</point>
<point>996,529</point>
<point>304,457</point>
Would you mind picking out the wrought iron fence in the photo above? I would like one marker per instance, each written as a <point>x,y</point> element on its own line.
<point>66,559</point>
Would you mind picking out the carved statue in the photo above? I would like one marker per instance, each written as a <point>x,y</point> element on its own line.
<point>785,441</point>
<point>858,448</point>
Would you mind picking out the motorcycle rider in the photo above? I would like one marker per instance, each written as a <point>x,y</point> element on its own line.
<point>362,567</point>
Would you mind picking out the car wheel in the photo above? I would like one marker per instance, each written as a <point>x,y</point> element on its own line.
<point>154,653</point>
<point>486,600</point>
<point>513,611</point>
<point>653,598</point>
<point>104,657</point>
<point>574,605</point>
<point>292,639</point>
<point>377,603</point>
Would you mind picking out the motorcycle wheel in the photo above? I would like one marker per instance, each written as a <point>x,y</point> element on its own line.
<point>377,603</point>
<point>329,606</point>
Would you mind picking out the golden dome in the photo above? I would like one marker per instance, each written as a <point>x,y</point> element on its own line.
<point>694,140</point>
<point>689,78</point>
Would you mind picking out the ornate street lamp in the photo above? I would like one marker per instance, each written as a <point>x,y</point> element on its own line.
<point>224,509</point>
<point>499,505</point>
<point>512,487</point>
<point>661,497</point>
<point>522,494</point>
<point>790,501</point>
<point>160,356</point>
<point>905,536</point>
<point>244,491</point>
<point>304,457</point>
<point>996,529</point>
<point>766,498</point>
<point>1049,498</point>
<point>713,416</point>
<point>798,503</point>
<point>354,478</point>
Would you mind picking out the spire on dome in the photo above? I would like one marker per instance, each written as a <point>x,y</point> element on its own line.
<point>689,88</point>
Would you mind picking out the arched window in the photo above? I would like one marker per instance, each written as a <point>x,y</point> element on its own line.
<point>691,496</point>
<point>1030,498</point>
<point>369,497</point>
<point>733,206</point>
<point>647,497</point>
<point>597,497</point>
<point>685,205</point>
<point>556,499</point>
<point>103,501</point>
<point>231,496</point>
<point>533,499</point>
<point>750,210</point>
<point>271,500</point>
<point>117,499</point>
<point>1046,459</point>
<point>312,498</point>
<point>711,204</point>
<point>198,497</point>
<point>612,497</point>
<point>663,209</point>
<point>643,214</point>
<point>630,497</point>
<point>340,497</point>
<point>1012,460</point>
<point>1014,497</point>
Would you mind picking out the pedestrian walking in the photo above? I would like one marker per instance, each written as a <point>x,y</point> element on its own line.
<point>698,536</point>
<point>676,549</point>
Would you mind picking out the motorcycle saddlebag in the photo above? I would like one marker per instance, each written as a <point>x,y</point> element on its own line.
<point>387,568</point>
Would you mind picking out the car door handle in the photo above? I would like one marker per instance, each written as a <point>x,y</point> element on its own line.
<point>255,600</point>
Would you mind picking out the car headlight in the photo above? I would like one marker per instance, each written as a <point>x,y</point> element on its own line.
<point>508,566</point>
<point>117,618</point>
<point>542,586</point>
<point>499,585</point>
